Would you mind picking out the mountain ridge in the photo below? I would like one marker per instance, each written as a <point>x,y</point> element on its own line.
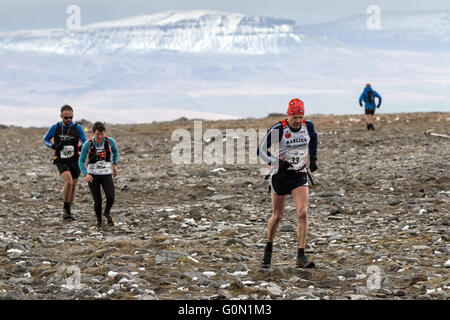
<point>216,32</point>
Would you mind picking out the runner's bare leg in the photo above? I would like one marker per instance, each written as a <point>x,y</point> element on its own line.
<point>277,214</point>
<point>301,195</point>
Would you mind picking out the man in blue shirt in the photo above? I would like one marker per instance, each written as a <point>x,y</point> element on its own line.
<point>66,136</point>
<point>368,96</point>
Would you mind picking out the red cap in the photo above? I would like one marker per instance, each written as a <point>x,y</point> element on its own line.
<point>296,106</point>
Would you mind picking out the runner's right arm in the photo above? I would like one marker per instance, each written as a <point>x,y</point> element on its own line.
<point>273,134</point>
<point>49,135</point>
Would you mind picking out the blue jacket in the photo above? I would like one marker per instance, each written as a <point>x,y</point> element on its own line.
<point>365,96</point>
<point>51,133</point>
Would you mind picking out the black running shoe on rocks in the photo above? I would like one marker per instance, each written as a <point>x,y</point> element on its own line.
<point>110,220</point>
<point>68,216</point>
<point>266,260</point>
<point>303,262</point>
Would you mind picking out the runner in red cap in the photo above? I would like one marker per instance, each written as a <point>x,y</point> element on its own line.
<point>296,106</point>
<point>295,140</point>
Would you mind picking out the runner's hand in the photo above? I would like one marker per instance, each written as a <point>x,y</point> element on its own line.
<point>88,178</point>
<point>283,165</point>
<point>115,171</point>
<point>312,165</point>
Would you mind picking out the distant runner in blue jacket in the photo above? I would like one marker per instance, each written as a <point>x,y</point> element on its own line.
<point>368,96</point>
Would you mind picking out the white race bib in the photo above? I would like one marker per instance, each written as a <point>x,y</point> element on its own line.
<point>67,152</point>
<point>100,168</point>
<point>296,157</point>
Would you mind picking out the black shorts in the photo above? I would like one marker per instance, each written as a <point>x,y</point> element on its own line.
<point>69,166</point>
<point>283,183</point>
<point>370,111</point>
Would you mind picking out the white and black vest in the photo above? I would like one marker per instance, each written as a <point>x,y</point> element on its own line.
<point>99,158</point>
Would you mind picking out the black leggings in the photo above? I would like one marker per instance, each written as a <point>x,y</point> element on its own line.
<point>107,183</point>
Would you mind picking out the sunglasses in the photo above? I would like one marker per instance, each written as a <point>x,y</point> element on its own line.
<point>66,118</point>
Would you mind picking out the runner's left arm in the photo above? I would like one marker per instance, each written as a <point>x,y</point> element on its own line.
<point>81,133</point>
<point>312,140</point>
<point>376,94</point>
<point>82,159</point>
<point>115,151</point>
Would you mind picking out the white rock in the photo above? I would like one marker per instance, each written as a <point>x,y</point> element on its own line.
<point>420,247</point>
<point>124,280</point>
<point>239,273</point>
<point>447,264</point>
<point>274,291</point>
<point>14,251</point>
<point>209,273</point>
<point>112,274</point>
<point>189,221</point>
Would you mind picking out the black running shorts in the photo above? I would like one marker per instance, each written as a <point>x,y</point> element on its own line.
<point>69,166</point>
<point>282,183</point>
<point>370,111</point>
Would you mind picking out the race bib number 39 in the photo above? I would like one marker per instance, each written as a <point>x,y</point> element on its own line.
<point>67,152</point>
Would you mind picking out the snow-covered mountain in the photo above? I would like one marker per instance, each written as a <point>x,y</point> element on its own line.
<point>414,31</point>
<point>217,65</point>
<point>195,31</point>
<point>201,31</point>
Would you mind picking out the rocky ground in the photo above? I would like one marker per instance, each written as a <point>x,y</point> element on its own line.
<point>379,219</point>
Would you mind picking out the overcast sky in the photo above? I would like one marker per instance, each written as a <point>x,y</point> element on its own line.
<point>41,14</point>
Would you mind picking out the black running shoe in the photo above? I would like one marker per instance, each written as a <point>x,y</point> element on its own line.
<point>266,260</point>
<point>99,226</point>
<point>68,216</point>
<point>110,220</point>
<point>303,262</point>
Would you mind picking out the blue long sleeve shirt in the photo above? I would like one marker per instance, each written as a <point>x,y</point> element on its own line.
<point>85,151</point>
<point>365,97</point>
<point>51,133</point>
